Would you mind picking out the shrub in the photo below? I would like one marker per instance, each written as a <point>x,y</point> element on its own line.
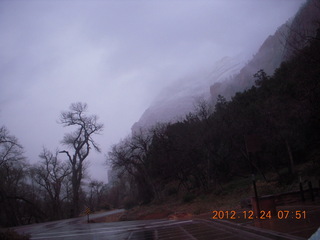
<point>188,197</point>
<point>106,206</point>
<point>172,191</point>
<point>10,234</point>
<point>129,204</point>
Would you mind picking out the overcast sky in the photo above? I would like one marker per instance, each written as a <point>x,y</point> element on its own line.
<point>114,55</point>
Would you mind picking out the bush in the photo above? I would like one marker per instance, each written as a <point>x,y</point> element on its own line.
<point>13,235</point>
<point>172,191</point>
<point>106,206</point>
<point>129,204</point>
<point>188,197</point>
<point>267,188</point>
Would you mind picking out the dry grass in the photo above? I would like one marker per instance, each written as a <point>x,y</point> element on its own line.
<point>172,207</point>
<point>110,218</point>
<point>226,197</point>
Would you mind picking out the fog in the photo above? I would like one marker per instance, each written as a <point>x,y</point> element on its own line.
<point>116,56</point>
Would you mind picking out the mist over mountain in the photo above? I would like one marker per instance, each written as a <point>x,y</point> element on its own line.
<point>269,57</point>
<point>178,99</point>
<point>232,74</point>
<point>281,46</point>
<point>113,62</point>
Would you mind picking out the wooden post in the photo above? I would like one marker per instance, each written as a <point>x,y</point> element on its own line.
<point>301,189</point>
<point>253,144</point>
<point>256,195</point>
<point>311,191</point>
<point>88,211</point>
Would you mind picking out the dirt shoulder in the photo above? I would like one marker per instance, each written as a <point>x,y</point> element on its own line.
<point>201,209</point>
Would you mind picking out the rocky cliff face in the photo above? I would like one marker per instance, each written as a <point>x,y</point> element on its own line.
<point>178,99</point>
<point>230,75</point>
<point>269,57</point>
<point>303,28</point>
<point>279,47</point>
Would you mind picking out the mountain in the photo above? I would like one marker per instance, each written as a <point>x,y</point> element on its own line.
<point>281,46</point>
<point>269,57</point>
<point>303,28</point>
<point>231,75</point>
<point>177,100</point>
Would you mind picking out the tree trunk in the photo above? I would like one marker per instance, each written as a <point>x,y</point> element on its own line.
<point>75,193</point>
<point>291,163</point>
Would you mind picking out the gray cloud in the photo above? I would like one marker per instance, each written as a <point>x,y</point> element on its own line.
<point>114,55</point>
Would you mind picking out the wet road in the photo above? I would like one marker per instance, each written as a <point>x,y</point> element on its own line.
<point>77,228</point>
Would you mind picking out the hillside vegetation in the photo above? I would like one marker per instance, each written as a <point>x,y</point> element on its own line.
<point>269,130</point>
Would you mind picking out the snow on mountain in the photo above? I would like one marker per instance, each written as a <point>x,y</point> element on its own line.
<point>177,100</point>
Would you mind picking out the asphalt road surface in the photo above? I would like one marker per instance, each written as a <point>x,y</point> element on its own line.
<point>78,228</point>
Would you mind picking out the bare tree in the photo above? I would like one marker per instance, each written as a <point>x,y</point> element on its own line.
<point>10,149</point>
<point>132,156</point>
<point>95,194</point>
<point>81,142</point>
<point>15,203</point>
<point>202,109</point>
<point>51,174</point>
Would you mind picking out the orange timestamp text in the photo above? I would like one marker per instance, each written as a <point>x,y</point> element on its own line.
<point>281,214</point>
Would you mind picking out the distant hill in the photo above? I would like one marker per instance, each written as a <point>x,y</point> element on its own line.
<point>270,129</point>
<point>178,99</point>
<point>279,47</point>
<point>231,75</point>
